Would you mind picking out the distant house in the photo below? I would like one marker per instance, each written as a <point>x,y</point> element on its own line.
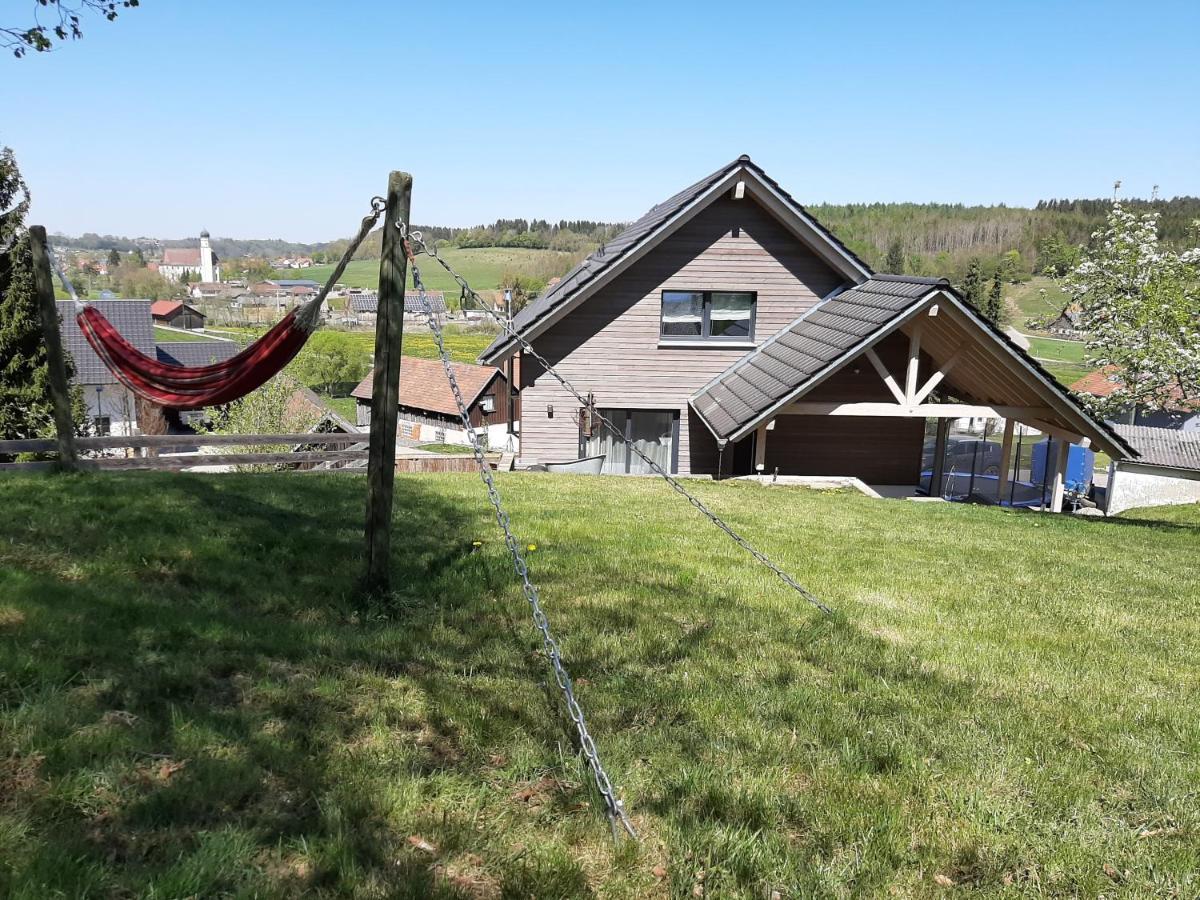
<point>365,306</point>
<point>1180,415</point>
<point>111,406</point>
<point>205,290</point>
<point>174,314</point>
<point>428,411</point>
<point>199,262</point>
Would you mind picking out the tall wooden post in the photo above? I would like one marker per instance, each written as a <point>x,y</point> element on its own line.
<point>937,472</point>
<point>60,391</point>
<point>1005,461</point>
<point>1058,488</point>
<point>385,383</point>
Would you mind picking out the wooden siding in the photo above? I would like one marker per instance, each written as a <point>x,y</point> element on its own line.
<point>877,450</point>
<point>610,344</point>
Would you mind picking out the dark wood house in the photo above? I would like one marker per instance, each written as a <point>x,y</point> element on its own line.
<point>175,314</point>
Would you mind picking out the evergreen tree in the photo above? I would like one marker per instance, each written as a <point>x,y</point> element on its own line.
<point>114,258</point>
<point>995,299</point>
<point>139,258</point>
<point>895,258</point>
<point>25,407</point>
<point>972,286</point>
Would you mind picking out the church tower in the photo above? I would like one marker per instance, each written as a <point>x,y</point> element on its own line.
<point>208,273</point>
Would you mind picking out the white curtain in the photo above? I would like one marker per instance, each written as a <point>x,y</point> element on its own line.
<point>651,434</point>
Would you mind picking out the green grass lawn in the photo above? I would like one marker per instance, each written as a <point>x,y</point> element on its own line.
<point>196,703</point>
<point>167,336</point>
<point>482,268</point>
<point>1029,301</point>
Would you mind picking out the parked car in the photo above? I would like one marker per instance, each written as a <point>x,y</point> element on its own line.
<point>967,454</point>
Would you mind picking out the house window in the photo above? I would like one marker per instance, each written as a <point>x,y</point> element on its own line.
<point>655,432</point>
<point>488,403</point>
<point>103,425</point>
<point>708,315</point>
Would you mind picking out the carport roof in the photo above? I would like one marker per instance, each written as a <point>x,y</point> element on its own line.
<point>837,330</point>
<point>823,335</point>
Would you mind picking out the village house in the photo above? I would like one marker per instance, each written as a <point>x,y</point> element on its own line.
<point>728,332</point>
<point>428,411</point>
<point>174,314</point>
<point>198,263</point>
<point>364,306</point>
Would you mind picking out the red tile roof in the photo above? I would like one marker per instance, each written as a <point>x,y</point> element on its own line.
<point>181,256</point>
<point>423,384</point>
<point>1097,383</point>
<point>1102,383</point>
<point>162,309</point>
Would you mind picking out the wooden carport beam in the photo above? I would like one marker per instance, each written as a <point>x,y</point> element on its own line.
<point>914,363</point>
<point>936,378</point>
<point>920,411</point>
<point>760,447</point>
<point>882,371</point>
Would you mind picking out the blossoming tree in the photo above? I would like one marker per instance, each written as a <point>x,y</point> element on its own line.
<point>1140,303</point>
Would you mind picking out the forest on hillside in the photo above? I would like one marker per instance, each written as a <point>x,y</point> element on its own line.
<point>903,238</point>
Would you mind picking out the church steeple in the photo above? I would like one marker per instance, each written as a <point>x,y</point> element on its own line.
<point>207,271</point>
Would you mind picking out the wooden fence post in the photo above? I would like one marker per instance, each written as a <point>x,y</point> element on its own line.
<point>60,390</point>
<point>385,390</point>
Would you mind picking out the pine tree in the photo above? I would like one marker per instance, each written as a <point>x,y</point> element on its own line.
<point>139,258</point>
<point>895,258</point>
<point>25,407</point>
<point>972,287</point>
<point>995,299</point>
<point>114,258</point>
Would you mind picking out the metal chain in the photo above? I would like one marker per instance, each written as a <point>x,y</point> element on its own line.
<point>416,239</point>
<point>613,805</point>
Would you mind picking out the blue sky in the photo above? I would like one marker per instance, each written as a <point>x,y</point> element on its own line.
<point>271,119</point>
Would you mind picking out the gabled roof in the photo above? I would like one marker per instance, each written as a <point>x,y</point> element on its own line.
<point>181,256</point>
<point>656,224</point>
<point>771,374</point>
<point>369,303</point>
<point>1168,448</point>
<point>130,317</point>
<point>834,332</point>
<point>195,353</point>
<point>423,384</point>
<point>164,308</point>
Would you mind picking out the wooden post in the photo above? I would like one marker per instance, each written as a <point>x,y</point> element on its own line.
<point>938,470</point>
<point>385,391</point>
<point>1005,460</point>
<point>1060,471</point>
<point>760,449</point>
<point>60,390</point>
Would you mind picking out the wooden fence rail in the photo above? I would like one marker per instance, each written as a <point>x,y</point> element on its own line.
<point>163,441</point>
<point>190,460</point>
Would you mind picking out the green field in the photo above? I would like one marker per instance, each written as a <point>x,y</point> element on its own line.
<point>167,336</point>
<point>1063,359</point>
<point>464,345</point>
<point>196,703</point>
<point>481,267</point>
<point>1028,302</point>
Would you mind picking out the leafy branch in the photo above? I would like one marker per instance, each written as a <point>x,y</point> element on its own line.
<point>41,37</point>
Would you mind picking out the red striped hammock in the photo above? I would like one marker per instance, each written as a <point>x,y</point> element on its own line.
<point>195,387</point>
